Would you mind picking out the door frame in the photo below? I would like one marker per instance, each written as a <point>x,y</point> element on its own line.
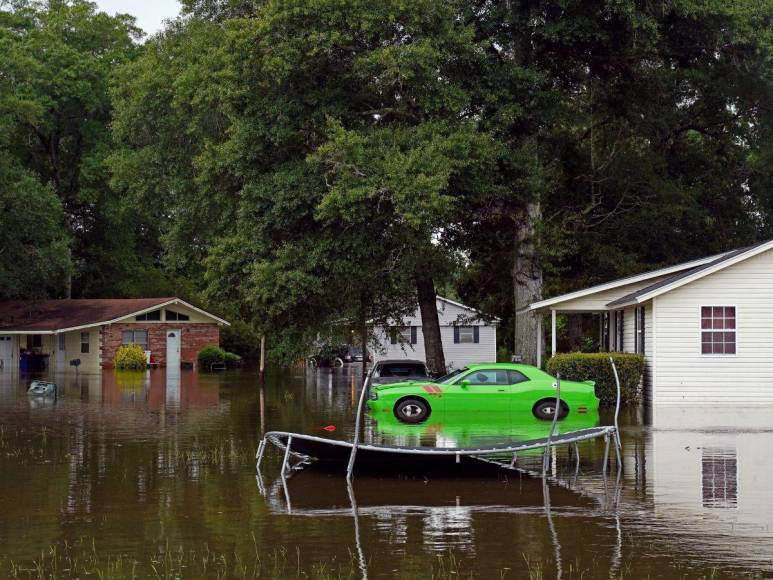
<point>179,337</point>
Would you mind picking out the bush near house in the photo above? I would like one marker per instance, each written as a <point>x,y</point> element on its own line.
<point>212,355</point>
<point>130,357</point>
<point>577,366</point>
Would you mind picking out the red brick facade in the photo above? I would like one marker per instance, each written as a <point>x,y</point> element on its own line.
<point>195,336</point>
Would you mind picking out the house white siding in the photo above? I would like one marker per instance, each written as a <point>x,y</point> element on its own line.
<point>456,354</point>
<point>684,375</point>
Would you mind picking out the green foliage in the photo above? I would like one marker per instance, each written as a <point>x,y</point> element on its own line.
<point>130,357</point>
<point>242,339</point>
<point>55,113</point>
<point>596,367</point>
<point>211,355</point>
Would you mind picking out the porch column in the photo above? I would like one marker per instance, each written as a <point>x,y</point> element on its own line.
<point>539,339</point>
<point>553,332</point>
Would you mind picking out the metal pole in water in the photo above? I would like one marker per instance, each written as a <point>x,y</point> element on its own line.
<point>286,459</point>
<point>358,420</point>
<point>546,456</point>
<point>606,451</point>
<point>618,444</point>
<point>261,451</point>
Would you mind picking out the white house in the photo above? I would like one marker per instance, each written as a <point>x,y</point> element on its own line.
<point>467,338</point>
<point>705,326</point>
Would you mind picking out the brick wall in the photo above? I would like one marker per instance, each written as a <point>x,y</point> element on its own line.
<point>195,336</point>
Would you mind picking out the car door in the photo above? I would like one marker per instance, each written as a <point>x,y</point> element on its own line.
<point>479,390</point>
<point>522,392</point>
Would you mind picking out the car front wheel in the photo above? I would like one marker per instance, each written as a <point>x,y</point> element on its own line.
<point>546,409</point>
<point>412,410</point>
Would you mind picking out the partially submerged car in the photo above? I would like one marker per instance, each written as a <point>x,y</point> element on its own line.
<point>483,387</point>
<point>398,371</point>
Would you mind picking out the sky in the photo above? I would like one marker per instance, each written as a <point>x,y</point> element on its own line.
<point>150,14</point>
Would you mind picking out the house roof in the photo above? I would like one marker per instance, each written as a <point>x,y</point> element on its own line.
<point>672,282</point>
<point>465,307</point>
<point>53,316</point>
<point>676,269</point>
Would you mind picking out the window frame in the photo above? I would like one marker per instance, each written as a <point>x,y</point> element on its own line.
<point>701,330</point>
<point>397,335</point>
<point>145,316</point>
<point>134,341</point>
<point>87,344</point>
<point>473,371</point>
<point>466,332</point>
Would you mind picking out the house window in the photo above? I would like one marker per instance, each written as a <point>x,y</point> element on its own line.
<point>619,322</point>
<point>60,339</point>
<point>153,315</point>
<point>402,334</point>
<point>466,335</point>
<point>172,315</point>
<point>718,331</point>
<point>37,341</point>
<point>85,339</point>
<point>139,337</point>
<point>638,329</point>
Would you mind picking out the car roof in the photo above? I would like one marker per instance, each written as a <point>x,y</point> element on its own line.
<point>400,361</point>
<point>505,366</point>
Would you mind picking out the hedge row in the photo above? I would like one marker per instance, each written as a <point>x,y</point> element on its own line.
<point>596,367</point>
<point>210,355</point>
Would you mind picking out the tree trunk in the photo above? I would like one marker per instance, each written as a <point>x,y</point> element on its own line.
<point>527,285</point>
<point>433,343</point>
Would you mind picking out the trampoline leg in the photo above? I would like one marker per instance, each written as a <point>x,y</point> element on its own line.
<point>261,451</point>
<point>286,459</point>
<point>515,458</point>
<point>617,452</point>
<point>606,453</point>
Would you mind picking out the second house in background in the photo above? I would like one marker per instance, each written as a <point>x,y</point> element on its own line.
<point>467,338</point>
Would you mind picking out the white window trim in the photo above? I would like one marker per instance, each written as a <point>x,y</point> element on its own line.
<point>700,332</point>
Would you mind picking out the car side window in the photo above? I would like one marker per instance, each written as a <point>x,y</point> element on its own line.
<point>485,377</point>
<point>517,377</point>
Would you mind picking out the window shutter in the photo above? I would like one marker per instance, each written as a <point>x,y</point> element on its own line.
<point>476,334</point>
<point>621,335</point>
<point>456,335</point>
<point>413,335</point>
<point>393,335</point>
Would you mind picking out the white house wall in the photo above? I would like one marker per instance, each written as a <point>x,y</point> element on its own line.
<point>683,374</point>
<point>456,355</point>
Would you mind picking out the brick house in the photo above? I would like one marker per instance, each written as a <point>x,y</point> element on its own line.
<point>56,332</point>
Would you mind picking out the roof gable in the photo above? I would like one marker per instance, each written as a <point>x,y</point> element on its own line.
<point>676,269</point>
<point>52,316</point>
<point>691,275</point>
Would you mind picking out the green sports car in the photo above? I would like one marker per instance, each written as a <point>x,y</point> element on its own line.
<point>484,388</point>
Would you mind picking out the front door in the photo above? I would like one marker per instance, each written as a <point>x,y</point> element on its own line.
<point>479,390</point>
<point>6,352</point>
<point>60,351</point>
<point>173,349</point>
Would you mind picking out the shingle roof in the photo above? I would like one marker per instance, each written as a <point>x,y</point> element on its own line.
<point>676,277</point>
<point>52,315</point>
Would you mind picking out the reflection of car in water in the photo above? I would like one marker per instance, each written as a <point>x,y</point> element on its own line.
<point>484,387</point>
<point>391,371</point>
<point>465,429</point>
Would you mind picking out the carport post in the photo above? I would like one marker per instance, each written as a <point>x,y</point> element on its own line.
<point>553,337</point>
<point>539,340</point>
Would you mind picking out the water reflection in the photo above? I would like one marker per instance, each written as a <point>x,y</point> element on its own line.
<point>143,460</point>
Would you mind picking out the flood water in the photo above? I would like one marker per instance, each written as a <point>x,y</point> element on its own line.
<point>146,475</point>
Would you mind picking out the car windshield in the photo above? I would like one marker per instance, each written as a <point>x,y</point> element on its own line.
<point>451,376</point>
<point>402,370</point>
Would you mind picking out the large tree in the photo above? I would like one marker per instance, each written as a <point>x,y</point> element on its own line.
<point>58,56</point>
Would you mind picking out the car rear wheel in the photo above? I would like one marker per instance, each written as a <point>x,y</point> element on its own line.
<point>412,410</point>
<point>546,409</point>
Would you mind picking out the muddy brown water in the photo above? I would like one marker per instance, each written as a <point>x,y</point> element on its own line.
<point>151,475</point>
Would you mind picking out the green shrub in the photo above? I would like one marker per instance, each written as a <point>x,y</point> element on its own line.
<point>211,355</point>
<point>232,360</point>
<point>130,357</point>
<point>596,367</point>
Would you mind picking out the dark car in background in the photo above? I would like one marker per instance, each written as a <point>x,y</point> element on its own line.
<point>398,371</point>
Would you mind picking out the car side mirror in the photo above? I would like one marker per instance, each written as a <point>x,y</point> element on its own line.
<point>464,384</point>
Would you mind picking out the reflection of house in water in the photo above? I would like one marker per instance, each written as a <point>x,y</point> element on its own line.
<point>713,465</point>
<point>157,389</point>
